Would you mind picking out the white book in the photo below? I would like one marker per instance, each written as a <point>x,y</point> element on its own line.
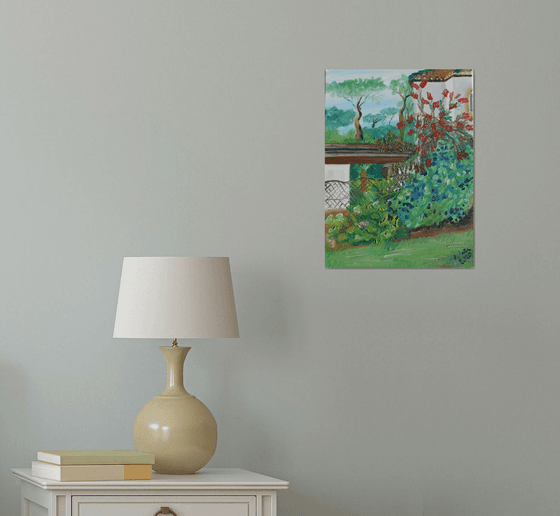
<point>70,457</point>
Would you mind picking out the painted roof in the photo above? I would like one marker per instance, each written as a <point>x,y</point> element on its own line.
<point>439,74</point>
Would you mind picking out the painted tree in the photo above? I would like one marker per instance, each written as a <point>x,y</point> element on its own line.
<point>385,116</point>
<point>357,92</point>
<point>373,119</point>
<point>403,89</point>
<point>389,113</point>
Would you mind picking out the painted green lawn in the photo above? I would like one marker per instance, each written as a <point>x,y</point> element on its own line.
<point>445,250</point>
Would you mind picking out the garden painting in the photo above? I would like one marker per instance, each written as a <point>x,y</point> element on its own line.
<point>399,168</point>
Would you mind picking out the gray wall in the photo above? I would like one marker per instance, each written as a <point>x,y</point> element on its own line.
<point>132,128</point>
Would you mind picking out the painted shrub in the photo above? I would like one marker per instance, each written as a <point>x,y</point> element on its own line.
<point>443,191</point>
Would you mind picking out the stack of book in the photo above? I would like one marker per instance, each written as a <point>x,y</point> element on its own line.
<point>84,465</point>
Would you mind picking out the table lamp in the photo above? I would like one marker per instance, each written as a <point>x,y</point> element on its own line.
<point>173,298</point>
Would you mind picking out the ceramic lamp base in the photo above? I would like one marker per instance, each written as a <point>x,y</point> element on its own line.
<point>175,426</point>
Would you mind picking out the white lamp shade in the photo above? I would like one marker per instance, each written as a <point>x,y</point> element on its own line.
<point>176,297</point>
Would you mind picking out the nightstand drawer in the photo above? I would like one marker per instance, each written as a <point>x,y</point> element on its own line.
<point>143,505</point>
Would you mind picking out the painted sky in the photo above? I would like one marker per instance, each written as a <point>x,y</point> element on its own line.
<point>385,98</point>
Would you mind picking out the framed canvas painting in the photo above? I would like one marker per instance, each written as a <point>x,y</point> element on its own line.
<point>399,168</point>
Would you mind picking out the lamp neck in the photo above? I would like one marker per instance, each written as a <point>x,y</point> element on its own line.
<point>175,359</point>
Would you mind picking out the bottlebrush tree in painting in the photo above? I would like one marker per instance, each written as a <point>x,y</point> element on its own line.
<point>399,168</point>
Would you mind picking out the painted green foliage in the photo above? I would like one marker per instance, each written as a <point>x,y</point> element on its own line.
<point>443,192</point>
<point>369,220</point>
<point>335,117</point>
<point>357,92</point>
<point>373,171</point>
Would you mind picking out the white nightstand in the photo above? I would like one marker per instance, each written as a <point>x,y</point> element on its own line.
<point>209,492</point>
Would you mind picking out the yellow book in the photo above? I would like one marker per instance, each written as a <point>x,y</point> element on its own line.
<point>74,457</point>
<point>77,473</point>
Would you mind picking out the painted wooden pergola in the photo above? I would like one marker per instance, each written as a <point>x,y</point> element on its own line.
<point>342,154</point>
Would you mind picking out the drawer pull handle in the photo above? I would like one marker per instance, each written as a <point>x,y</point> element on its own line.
<point>165,510</point>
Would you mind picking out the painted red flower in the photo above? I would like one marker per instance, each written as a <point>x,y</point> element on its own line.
<point>445,92</point>
<point>417,125</point>
<point>415,86</point>
<point>429,95</point>
<point>400,125</point>
<point>424,83</point>
<point>414,95</point>
<point>469,127</point>
<point>463,100</point>
<point>436,104</point>
<point>428,118</point>
<point>425,101</point>
<point>460,125</point>
<point>458,95</point>
<point>437,135</point>
<point>429,162</point>
<point>453,106</point>
<point>411,132</point>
